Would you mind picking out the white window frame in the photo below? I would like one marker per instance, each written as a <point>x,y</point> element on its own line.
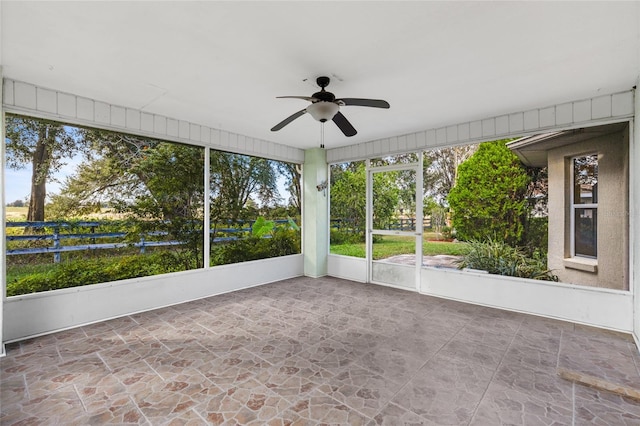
<point>573,206</point>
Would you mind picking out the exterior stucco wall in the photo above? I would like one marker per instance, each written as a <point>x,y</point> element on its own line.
<point>613,211</point>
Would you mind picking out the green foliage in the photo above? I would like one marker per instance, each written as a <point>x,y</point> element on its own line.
<point>78,271</point>
<point>262,227</point>
<point>173,197</point>
<point>348,202</point>
<point>536,234</point>
<point>497,257</point>
<point>235,178</point>
<point>440,170</point>
<point>386,196</point>
<point>283,242</point>
<point>488,199</point>
<point>98,270</point>
<point>447,232</point>
<point>293,182</point>
<point>341,236</point>
<point>348,198</point>
<point>438,219</point>
<point>292,224</point>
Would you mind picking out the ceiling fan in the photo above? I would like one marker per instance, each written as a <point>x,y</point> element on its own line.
<point>324,106</point>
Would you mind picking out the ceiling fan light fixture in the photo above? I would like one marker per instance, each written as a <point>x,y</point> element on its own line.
<point>323,111</point>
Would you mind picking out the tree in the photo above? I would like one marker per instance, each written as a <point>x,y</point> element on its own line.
<point>157,185</point>
<point>43,144</point>
<point>440,168</point>
<point>291,173</point>
<point>16,203</point>
<point>174,193</point>
<point>235,179</point>
<point>119,169</point>
<point>488,199</point>
<point>348,198</point>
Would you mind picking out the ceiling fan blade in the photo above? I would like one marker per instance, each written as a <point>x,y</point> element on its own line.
<point>375,103</point>
<point>288,120</point>
<point>344,125</point>
<point>306,98</point>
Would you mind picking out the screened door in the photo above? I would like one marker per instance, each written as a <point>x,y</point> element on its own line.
<point>394,224</point>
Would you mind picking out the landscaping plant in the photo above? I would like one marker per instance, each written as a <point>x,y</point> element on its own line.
<point>497,257</point>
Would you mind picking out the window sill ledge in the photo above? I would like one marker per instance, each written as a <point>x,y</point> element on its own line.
<point>582,264</point>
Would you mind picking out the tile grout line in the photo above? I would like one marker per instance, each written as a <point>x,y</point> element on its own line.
<point>573,404</point>
<point>84,407</point>
<point>26,385</point>
<point>634,355</point>
<point>103,361</point>
<point>198,414</point>
<point>135,404</point>
<point>513,338</point>
<point>58,352</point>
<point>153,369</point>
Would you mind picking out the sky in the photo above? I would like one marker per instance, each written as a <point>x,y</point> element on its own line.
<point>17,185</point>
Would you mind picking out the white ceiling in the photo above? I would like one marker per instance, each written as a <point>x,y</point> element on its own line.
<point>222,64</point>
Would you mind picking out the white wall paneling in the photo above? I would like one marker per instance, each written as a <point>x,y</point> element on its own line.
<point>28,99</point>
<point>347,267</point>
<point>48,312</point>
<point>611,309</point>
<point>614,107</point>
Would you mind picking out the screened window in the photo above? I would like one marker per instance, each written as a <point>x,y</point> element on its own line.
<point>88,206</point>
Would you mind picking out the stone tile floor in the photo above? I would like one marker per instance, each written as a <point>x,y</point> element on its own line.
<point>320,351</point>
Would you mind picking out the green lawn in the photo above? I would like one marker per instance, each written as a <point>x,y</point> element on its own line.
<point>15,272</point>
<point>392,245</point>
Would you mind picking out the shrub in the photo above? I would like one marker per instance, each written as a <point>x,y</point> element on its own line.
<point>497,257</point>
<point>92,271</point>
<point>281,243</point>
<point>489,195</point>
<point>341,236</point>
<point>536,235</point>
<point>447,232</point>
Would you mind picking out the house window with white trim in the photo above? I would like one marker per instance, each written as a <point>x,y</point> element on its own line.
<point>584,206</point>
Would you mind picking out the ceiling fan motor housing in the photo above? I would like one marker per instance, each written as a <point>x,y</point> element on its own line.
<point>323,95</point>
<point>323,81</point>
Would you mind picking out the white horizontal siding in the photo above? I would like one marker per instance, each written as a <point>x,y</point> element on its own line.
<point>28,99</point>
<point>617,106</point>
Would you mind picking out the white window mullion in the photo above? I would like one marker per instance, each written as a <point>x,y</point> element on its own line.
<point>207,208</point>
<point>575,206</point>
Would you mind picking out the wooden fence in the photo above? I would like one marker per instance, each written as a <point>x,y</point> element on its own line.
<point>404,224</point>
<point>58,234</point>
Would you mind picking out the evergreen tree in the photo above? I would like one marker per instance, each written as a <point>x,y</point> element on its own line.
<point>488,199</point>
